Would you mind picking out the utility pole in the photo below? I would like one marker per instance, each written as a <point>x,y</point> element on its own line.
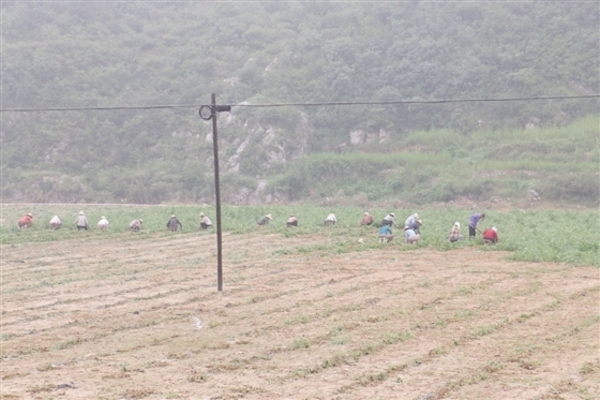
<point>207,113</point>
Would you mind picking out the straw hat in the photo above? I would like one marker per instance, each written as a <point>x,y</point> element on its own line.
<point>81,213</point>
<point>495,229</point>
<point>173,216</point>
<point>269,216</point>
<point>202,214</point>
<point>140,220</point>
<point>103,217</point>
<point>366,214</point>
<point>29,215</point>
<point>393,215</point>
<point>457,224</point>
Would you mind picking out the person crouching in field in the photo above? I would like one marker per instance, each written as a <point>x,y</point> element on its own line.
<point>103,224</point>
<point>173,224</point>
<point>455,235</point>
<point>82,222</point>
<point>55,223</point>
<point>292,221</point>
<point>136,225</point>
<point>385,234</point>
<point>411,220</point>
<point>411,236</point>
<point>490,236</point>
<point>205,222</point>
<point>389,219</point>
<point>367,219</point>
<point>25,221</point>
<point>264,220</point>
<point>330,220</point>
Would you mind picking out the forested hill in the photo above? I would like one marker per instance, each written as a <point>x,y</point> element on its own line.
<point>145,53</point>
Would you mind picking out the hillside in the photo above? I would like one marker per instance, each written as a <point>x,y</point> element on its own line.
<point>148,53</point>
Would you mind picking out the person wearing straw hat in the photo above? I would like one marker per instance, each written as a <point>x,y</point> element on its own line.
<point>411,220</point>
<point>103,224</point>
<point>292,221</point>
<point>490,236</point>
<point>389,219</point>
<point>205,222</point>
<point>136,225</point>
<point>264,220</point>
<point>25,221</point>
<point>81,221</point>
<point>455,235</point>
<point>415,225</point>
<point>55,223</point>
<point>173,223</point>
<point>330,220</point>
<point>367,219</point>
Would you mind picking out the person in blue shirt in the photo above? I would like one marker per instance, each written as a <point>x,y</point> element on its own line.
<point>411,236</point>
<point>385,234</point>
<point>473,221</point>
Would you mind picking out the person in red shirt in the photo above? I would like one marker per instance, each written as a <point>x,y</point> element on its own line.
<point>490,236</point>
<point>26,221</point>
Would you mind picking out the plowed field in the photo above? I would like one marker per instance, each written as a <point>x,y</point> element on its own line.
<point>124,318</point>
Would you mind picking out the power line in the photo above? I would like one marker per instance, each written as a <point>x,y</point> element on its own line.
<point>324,104</point>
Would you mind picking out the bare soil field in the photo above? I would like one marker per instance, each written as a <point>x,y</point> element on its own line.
<point>126,318</point>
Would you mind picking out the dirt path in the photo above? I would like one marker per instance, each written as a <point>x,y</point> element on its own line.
<point>127,318</point>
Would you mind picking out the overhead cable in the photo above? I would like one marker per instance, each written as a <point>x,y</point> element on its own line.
<point>323,104</point>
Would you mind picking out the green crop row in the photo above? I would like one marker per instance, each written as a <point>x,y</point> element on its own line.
<point>564,236</point>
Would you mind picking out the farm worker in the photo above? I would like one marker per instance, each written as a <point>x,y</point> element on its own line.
<point>264,220</point>
<point>473,221</point>
<point>292,221</point>
<point>415,226</point>
<point>25,221</point>
<point>490,236</point>
<point>136,225</point>
<point>411,236</point>
<point>330,220</point>
<point>455,235</point>
<point>385,234</point>
<point>103,224</point>
<point>55,222</point>
<point>367,219</point>
<point>205,222</point>
<point>82,221</point>
<point>411,220</point>
<point>173,223</point>
<point>389,219</point>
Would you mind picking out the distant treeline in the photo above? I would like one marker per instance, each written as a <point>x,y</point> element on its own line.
<point>69,54</point>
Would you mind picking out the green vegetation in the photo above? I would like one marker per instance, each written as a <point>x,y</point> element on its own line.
<point>536,235</point>
<point>135,53</point>
<point>442,165</point>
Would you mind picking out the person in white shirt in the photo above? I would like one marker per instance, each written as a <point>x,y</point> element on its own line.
<point>205,222</point>
<point>389,219</point>
<point>292,221</point>
<point>55,222</point>
<point>330,220</point>
<point>103,224</point>
<point>136,225</point>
